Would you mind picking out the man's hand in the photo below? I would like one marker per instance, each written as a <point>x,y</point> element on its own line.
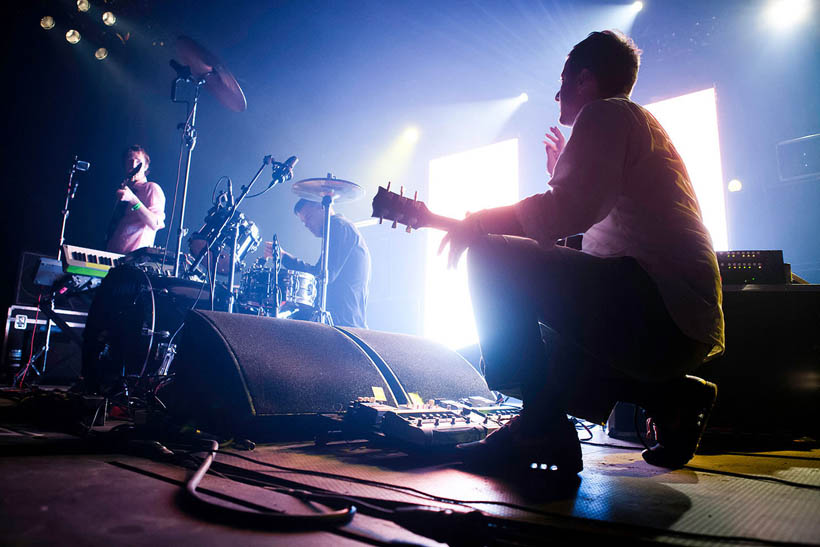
<point>268,250</point>
<point>125,194</point>
<point>554,145</point>
<point>461,236</point>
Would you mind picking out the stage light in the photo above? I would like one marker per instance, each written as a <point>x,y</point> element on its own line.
<point>691,122</point>
<point>47,22</point>
<point>72,36</point>
<point>783,14</point>
<point>410,135</point>
<point>83,5</point>
<point>108,18</point>
<point>469,181</point>
<point>735,185</point>
<point>637,6</point>
<point>523,98</point>
<point>101,54</point>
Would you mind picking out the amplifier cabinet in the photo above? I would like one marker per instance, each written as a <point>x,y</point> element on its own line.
<point>64,356</point>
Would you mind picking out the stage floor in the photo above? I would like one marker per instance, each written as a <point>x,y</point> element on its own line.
<point>67,490</point>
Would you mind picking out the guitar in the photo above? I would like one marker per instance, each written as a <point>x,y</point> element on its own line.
<point>412,213</point>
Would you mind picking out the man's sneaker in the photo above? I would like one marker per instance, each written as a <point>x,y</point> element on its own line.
<point>524,444</point>
<point>676,432</point>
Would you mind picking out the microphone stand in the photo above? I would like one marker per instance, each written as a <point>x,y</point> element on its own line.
<point>217,235</point>
<point>49,305</point>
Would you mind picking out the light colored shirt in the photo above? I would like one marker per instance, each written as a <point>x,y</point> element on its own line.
<point>132,233</point>
<point>621,183</point>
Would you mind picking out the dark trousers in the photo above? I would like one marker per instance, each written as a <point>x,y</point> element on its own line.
<point>573,333</point>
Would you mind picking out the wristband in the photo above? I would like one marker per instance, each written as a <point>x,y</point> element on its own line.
<point>136,206</point>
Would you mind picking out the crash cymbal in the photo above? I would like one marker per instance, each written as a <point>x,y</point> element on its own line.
<point>218,79</point>
<point>339,190</point>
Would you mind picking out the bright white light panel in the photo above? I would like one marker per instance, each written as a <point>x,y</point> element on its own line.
<point>469,181</point>
<point>691,122</point>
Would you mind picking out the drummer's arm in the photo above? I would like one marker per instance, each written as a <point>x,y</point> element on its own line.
<point>290,262</point>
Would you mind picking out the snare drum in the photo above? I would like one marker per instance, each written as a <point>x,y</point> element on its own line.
<point>298,288</point>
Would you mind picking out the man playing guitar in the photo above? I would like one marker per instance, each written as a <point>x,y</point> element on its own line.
<point>626,319</point>
<point>140,210</point>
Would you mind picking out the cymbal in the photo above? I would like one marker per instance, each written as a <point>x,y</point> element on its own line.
<point>218,79</point>
<point>339,190</point>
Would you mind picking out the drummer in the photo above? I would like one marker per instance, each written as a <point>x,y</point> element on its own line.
<point>348,264</point>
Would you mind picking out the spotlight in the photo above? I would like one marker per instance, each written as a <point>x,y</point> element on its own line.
<point>47,22</point>
<point>523,98</point>
<point>72,36</point>
<point>410,135</point>
<point>786,13</point>
<point>83,5</point>
<point>735,185</point>
<point>108,18</point>
<point>101,54</point>
<point>637,6</point>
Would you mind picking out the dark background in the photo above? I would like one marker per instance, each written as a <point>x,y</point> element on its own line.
<point>336,82</point>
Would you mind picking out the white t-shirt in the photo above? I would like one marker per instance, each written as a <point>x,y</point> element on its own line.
<point>621,182</point>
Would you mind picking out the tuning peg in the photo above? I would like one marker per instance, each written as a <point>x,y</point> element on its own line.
<point>388,185</point>
<point>381,219</point>
<point>415,196</point>
<point>401,190</point>
<point>395,223</point>
<point>408,229</point>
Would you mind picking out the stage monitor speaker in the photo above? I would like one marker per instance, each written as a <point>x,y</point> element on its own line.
<point>265,377</point>
<point>423,366</point>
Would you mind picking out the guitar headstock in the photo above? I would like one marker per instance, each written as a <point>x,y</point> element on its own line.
<point>400,209</point>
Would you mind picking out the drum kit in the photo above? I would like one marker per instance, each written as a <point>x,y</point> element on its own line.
<point>137,312</point>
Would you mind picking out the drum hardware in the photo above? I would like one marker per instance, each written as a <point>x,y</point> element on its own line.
<point>129,339</point>
<point>281,172</point>
<point>201,69</point>
<point>327,190</point>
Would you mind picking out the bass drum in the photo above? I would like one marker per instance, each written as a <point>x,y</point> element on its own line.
<point>131,324</point>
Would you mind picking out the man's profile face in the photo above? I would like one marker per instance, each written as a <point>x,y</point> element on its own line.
<point>568,97</point>
<point>313,219</point>
<point>132,159</point>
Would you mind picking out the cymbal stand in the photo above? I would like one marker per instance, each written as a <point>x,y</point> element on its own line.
<point>217,234</point>
<point>321,315</point>
<point>188,143</point>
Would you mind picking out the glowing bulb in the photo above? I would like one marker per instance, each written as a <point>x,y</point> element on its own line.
<point>735,185</point>
<point>72,36</point>
<point>786,13</point>
<point>47,22</point>
<point>523,97</point>
<point>83,5</point>
<point>101,53</point>
<point>637,6</point>
<point>108,18</point>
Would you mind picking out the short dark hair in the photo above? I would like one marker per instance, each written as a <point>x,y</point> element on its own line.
<point>612,57</point>
<point>136,148</point>
<point>302,203</point>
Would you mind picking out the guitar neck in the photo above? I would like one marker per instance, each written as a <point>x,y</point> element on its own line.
<point>440,222</point>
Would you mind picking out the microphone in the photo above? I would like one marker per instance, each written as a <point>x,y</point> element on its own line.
<point>283,172</point>
<point>80,165</point>
<point>133,172</point>
<point>230,193</point>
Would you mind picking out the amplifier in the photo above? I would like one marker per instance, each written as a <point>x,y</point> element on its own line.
<point>752,268</point>
<point>23,323</point>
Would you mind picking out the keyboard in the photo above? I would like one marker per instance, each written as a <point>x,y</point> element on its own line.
<point>91,262</point>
